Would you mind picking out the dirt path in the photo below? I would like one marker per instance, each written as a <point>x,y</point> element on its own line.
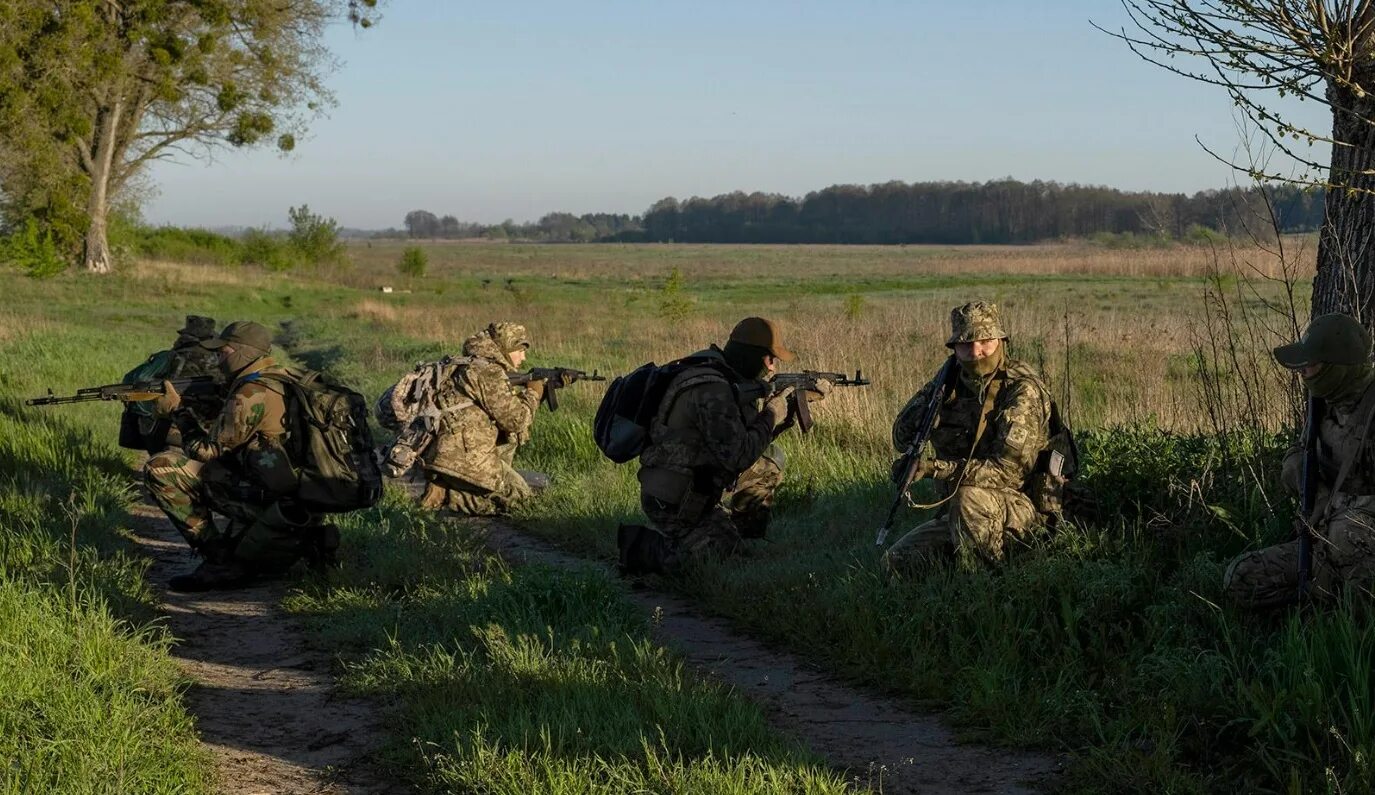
<point>869,736</point>
<point>263,702</point>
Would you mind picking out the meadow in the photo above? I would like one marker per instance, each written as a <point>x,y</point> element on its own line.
<point>1107,641</point>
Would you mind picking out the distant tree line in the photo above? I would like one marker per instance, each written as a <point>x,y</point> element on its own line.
<point>1002,211</point>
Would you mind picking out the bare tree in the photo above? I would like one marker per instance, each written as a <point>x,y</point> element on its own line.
<point>1264,53</point>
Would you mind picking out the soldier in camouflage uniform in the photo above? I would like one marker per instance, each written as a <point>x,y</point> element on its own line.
<point>239,468</point>
<point>1333,359</point>
<point>984,446</point>
<point>710,468</point>
<point>186,359</point>
<point>470,465</point>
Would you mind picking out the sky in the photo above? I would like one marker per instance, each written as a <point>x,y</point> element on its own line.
<point>495,110</point>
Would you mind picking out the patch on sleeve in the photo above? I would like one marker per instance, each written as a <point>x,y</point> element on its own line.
<point>1017,434</point>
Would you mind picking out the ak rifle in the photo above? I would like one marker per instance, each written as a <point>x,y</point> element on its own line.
<point>910,461</point>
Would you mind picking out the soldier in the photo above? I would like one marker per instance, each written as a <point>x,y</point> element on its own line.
<point>1333,359</point>
<point>710,468</point>
<point>185,359</point>
<point>239,468</point>
<point>986,441</point>
<point>470,465</point>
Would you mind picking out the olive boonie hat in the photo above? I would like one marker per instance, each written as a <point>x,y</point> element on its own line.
<point>198,326</point>
<point>244,333</point>
<point>1329,339</point>
<point>977,320</point>
<point>761,333</point>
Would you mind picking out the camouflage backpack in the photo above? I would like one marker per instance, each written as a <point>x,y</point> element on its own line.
<point>416,392</point>
<point>1050,483</point>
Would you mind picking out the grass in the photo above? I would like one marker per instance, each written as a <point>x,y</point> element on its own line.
<point>1108,641</point>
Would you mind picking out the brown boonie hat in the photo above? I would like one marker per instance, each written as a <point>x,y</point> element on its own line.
<point>977,320</point>
<point>242,333</point>
<point>1329,339</point>
<point>761,333</point>
<point>509,337</point>
<point>198,326</point>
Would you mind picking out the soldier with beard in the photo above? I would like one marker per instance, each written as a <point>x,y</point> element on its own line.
<point>990,430</point>
<point>238,468</point>
<point>1333,359</point>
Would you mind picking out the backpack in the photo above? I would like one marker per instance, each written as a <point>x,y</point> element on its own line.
<point>414,392</point>
<point>138,414</point>
<point>621,426</point>
<point>330,442</point>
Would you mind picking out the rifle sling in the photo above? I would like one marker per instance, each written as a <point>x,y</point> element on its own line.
<point>1365,410</point>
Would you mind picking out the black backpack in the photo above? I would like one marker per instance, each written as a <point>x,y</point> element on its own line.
<point>331,444</point>
<point>621,427</point>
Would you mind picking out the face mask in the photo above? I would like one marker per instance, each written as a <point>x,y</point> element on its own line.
<point>980,368</point>
<point>1337,381</point>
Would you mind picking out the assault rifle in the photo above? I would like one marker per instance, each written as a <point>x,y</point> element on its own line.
<point>201,386</point>
<point>554,378</point>
<point>803,383</point>
<point>1308,492</point>
<point>911,457</point>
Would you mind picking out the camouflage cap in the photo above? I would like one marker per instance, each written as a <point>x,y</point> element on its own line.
<point>509,336</point>
<point>198,326</point>
<point>242,334</point>
<point>1329,339</point>
<point>761,333</point>
<point>977,320</point>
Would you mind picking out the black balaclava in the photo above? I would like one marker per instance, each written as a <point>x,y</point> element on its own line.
<point>746,360</point>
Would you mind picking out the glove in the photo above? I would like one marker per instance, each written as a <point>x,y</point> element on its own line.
<point>168,402</point>
<point>535,388</point>
<point>565,377</point>
<point>819,392</point>
<point>776,407</point>
<point>926,467</point>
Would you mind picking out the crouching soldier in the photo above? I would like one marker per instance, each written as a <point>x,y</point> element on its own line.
<point>1333,359</point>
<point>709,469</point>
<point>238,468</point>
<point>992,425</point>
<point>139,428</point>
<point>470,465</point>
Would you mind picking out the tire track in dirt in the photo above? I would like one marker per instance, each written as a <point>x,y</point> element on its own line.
<point>876,741</point>
<point>264,703</point>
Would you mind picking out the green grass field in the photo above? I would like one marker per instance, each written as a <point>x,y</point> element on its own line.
<point>1107,642</point>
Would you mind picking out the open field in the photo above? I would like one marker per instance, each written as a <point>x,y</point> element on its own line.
<point>1106,642</point>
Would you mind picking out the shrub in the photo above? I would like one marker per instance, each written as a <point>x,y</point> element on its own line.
<point>262,248</point>
<point>413,262</point>
<point>33,250</point>
<point>314,237</point>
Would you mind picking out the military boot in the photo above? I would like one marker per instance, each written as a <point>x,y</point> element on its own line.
<point>321,547</point>
<point>219,571</point>
<point>643,550</point>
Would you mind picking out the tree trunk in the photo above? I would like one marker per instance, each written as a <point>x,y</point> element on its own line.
<point>1345,281</point>
<point>97,249</point>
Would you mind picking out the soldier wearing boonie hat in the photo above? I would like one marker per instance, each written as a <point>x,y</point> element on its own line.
<point>1333,360</point>
<point>988,437</point>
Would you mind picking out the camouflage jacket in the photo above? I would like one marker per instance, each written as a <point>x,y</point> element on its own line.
<point>1337,441</point>
<point>704,436</point>
<point>482,414</point>
<point>1017,429</point>
<point>249,434</point>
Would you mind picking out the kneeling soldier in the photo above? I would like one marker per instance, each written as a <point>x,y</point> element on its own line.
<point>1333,358</point>
<point>239,468</point>
<point>709,469</point>
<point>990,429</point>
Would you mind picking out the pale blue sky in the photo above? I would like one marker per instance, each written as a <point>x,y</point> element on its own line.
<point>490,110</point>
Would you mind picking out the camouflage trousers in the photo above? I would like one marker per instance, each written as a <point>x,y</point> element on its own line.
<point>1343,555</point>
<point>742,511</point>
<point>512,488</point>
<point>977,525</point>
<point>262,533</point>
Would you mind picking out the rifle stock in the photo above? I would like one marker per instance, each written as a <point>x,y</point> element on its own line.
<point>917,447</point>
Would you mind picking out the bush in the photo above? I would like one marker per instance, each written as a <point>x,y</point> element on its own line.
<point>314,237</point>
<point>413,262</point>
<point>262,248</point>
<point>33,250</point>
<point>175,244</point>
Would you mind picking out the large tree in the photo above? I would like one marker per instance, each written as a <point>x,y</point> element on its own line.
<point>1265,53</point>
<point>92,91</point>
